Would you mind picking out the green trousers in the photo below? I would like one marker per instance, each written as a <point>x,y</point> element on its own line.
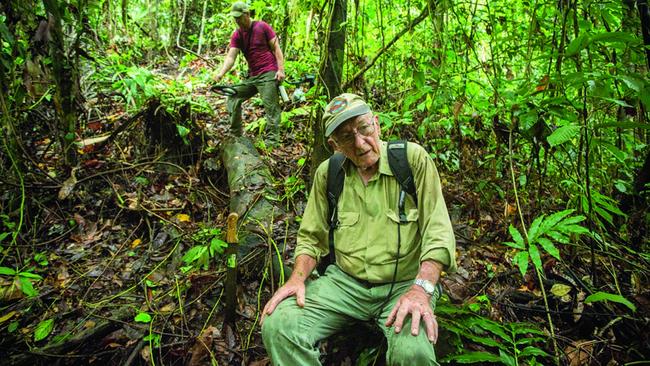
<point>333,302</point>
<point>267,86</point>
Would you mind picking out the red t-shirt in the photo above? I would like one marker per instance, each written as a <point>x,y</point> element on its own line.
<point>260,58</point>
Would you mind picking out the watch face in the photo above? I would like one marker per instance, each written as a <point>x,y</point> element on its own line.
<point>428,287</point>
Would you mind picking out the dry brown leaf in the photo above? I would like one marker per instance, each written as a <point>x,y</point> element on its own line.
<point>579,352</point>
<point>202,346</point>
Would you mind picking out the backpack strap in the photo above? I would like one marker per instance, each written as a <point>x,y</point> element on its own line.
<point>246,47</point>
<point>335,179</point>
<point>399,165</point>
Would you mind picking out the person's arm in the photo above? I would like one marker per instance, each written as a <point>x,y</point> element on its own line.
<point>274,45</point>
<point>418,303</point>
<point>294,286</point>
<point>227,63</point>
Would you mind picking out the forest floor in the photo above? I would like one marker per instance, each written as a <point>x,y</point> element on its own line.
<point>114,284</point>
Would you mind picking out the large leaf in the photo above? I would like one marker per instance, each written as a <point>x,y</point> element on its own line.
<point>563,134</point>
<point>533,351</point>
<point>516,236</point>
<point>521,260</point>
<point>143,318</point>
<point>605,296</point>
<point>535,257</point>
<point>577,44</point>
<point>26,287</point>
<point>7,271</point>
<point>534,228</point>
<point>43,329</point>
<point>492,327</point>
<point>553,219</point>
<point>549,247</point>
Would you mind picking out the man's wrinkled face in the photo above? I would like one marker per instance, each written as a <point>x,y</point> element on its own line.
<point>358,139</point>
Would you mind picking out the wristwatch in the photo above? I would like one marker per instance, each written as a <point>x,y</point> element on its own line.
<point>427,286</point>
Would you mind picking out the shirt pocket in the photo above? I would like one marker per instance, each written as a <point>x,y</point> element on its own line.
<point>408,236</point>
<point>348,233</point>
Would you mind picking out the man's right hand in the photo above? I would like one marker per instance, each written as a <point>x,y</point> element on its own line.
<point>291,288</point>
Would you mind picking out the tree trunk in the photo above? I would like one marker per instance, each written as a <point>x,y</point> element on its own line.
<point>66,78</point>
<point>331,72</point>
<point>644,14</point>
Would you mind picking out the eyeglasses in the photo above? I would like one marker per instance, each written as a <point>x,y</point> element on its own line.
<point>365,128</point>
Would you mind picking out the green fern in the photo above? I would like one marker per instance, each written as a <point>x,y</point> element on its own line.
<point>544,232</point>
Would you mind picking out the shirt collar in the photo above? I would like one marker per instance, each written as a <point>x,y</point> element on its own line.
<point>384,167</point>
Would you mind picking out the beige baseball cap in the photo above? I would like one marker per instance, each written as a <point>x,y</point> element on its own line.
<point>341,109</point>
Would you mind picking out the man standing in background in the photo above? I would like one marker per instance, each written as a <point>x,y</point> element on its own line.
<point>261,48</point>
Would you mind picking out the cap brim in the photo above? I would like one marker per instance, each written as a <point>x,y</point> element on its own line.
<point>236,14</point>
<point>344,116</point>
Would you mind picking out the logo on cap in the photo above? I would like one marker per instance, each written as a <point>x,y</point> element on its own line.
<point>338,104</point>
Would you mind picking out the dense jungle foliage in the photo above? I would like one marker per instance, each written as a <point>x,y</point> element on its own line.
<point>116,189</point>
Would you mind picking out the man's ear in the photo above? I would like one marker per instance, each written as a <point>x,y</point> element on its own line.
<point>333,144</point>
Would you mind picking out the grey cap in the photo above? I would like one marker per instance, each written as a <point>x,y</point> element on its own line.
<point>341,109</point>
<point>238,9</point>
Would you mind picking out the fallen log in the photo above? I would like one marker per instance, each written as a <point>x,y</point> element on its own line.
<point>251,196</point>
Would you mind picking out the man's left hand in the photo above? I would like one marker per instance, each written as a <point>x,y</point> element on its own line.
<point>279,75</point>
<point>416,303</point>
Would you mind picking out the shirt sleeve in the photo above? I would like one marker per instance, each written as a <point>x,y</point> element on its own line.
<point>314,229</point>
<point>234,40</point>
<point>438,241</point>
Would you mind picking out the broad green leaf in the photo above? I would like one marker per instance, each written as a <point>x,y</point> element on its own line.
<point>533,351</point>
<point>610,37</point>
<point>549,247</point>
<point>30,275</point>
<point>573,229</point>
<point>632,83</point>
<point>473,357</point>
<point>521,260</point>
<point>577,44</point>
<point>507,358</point>
<point>194,253</point>
<point>526,328</point>
<point>535,258</point>
<point>26,287</point>
<point>604,296</point>
<point>572,220</point>
<point>553,219</point>
<point>182,130</point>
<point>7,271</point>
<point>492,327</point>
<point>559,237</point>
<point>560,289</point>
<point>516,236</point>
<point>563,134</point>
<point>604,214</point>
<point>534,227</point>
<point>143,318</point>
<point>43,329</point>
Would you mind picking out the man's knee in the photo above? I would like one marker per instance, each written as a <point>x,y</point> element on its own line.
<point>406,349</point>
<point>280,325</point>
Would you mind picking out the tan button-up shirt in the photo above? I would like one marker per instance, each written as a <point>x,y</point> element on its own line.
<point>366,239</point>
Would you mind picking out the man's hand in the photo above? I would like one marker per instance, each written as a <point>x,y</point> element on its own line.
<point>218,78</point>
<point>416,303</point>
<point>292,287</point>
<point>279,76</point>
